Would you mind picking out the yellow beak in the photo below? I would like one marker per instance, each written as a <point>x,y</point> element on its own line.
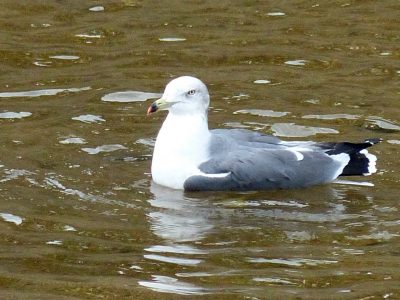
<point>159,104</point>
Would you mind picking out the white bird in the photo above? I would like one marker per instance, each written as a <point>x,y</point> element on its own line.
<point>187,155</point>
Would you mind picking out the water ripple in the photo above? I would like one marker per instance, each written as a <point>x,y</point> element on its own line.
<point>293,130</point>
<point>73,140</point>
<point>168,284</point>
<point>276,14</point>
<point>104,148</point>
<point>297,62</point>
<point>14,174</point>
<point>65,57</point>
<point>381,123</point>
<point>39,93</point>
<point>55,184</point>
<point>89,118</point>
<point>174,260</point>
<point>262,81</point>
<point>130,96</point>
<point>262,112</point>
<point>332,117</point>
<point>17,220</point>
<point>178,249</point>
<point>15,115</point>
<point>172,39</point>
<point>55,242</point>
<point>292,262</point>
<point>97,8</point>
<point>273,280</point>
<point>380,236</point>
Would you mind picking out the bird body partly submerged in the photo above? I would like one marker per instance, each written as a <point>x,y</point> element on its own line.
<point>187,155</point>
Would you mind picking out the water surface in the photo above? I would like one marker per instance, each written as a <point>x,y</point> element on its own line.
<point>79,215</point>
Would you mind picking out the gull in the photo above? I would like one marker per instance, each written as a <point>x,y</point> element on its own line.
<point>188,156</point>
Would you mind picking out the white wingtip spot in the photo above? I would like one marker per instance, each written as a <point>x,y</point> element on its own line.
<point>219,175</point>
<point>299,155</point>
<point>371,162</point>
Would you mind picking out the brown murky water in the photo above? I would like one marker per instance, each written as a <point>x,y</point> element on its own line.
<point>79,217</point>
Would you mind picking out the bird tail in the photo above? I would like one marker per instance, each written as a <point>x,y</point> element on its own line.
<point>361,162</point>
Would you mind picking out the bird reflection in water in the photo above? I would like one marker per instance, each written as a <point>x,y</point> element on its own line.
<point>218,234</point>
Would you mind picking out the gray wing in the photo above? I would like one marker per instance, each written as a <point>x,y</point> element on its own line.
<point>244,137</point>
<point>241,160</point>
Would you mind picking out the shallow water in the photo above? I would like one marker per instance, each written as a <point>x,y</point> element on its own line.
<point>79,216</point>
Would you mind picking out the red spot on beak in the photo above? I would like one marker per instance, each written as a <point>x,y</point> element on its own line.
<point>152,108</point>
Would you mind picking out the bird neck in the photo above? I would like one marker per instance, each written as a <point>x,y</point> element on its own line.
<point>189,127</point>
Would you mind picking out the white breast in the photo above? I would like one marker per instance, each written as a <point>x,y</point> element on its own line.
<point>181,146</point>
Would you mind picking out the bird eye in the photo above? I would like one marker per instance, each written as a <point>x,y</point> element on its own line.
<point>191,92</point>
